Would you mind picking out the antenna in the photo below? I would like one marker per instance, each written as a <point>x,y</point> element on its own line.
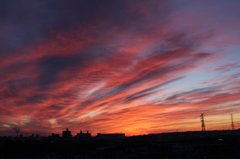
<point>202,120</point>
<point>232,122</point>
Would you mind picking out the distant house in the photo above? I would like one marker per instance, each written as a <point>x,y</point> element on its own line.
<point>66,134</point>
<point>82,135</point>
<point>54,136</point>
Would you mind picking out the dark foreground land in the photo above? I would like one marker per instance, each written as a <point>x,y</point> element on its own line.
<point>188,145</point>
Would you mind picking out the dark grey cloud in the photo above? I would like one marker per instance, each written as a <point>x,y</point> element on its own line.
<point>5,112</point>
<point>23,23</point>
<point>50,66</point>
<point>37,98</point>
<point>150,90</point>
<point>55,107</point>
<point>195,93</point>
<point>27,22</point>
<point>9,90</point>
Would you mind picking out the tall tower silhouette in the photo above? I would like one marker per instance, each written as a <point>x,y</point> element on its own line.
<point>232,122</point>
<point>202,120</point>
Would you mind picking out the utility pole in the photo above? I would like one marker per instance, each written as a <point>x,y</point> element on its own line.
<point>232,122</point>
<point>202,121</point>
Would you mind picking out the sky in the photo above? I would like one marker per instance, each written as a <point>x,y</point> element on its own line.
<point>122,66</point>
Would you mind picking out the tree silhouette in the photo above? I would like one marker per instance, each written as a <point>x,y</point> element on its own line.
<point>16,129</point>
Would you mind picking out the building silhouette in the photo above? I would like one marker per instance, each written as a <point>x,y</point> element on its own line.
<point>54,136</point>
<point>66,134</point>
<point>82,135</point>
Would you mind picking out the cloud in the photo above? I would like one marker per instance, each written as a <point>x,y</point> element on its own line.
<point>227,67</point>
<point>105,66</point>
